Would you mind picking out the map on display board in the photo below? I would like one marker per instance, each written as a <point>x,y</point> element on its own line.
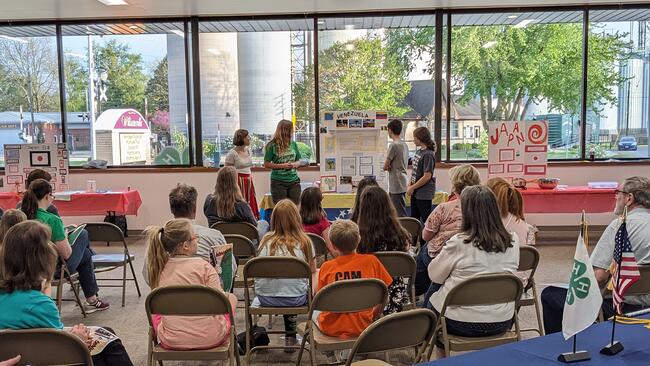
<point>21,159</point>
<point>518,149</point>
<point>352,146</point>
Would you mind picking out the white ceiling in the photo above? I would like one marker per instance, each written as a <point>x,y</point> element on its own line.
<point>13,10</point>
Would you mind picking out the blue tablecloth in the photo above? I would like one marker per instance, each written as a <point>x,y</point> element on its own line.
<point>544,350</point>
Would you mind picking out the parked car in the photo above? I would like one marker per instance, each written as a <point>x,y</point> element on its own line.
<point>627,143</point>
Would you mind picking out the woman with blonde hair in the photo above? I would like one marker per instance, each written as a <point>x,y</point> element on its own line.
<point>8,220</point>
<point>282,156</point>
<point>286,239</point>
<point>241,158</point>
<point>172,261</point>
<point>511,207</point>
<point>227,204</point>
<point>443,223</point>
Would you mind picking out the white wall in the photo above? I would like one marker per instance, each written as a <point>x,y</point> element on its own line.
<point>155,186</point>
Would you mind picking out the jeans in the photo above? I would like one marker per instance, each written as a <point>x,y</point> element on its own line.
<point>553,299</point>
<point>421,209</point>
<point>81,261</point>
<point>113,354</point>
<point>281,190</point>
<point>432,289</point>
<point>422,281</point>
<point>399,201</point>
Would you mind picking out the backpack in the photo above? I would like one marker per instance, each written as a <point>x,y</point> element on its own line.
<point>259,337</point>
<point>119,221</point>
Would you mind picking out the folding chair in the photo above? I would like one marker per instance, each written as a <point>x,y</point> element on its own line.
<point>348,296</point>
<point>242,228</point>
<point>320,248</point>
<point>107,232</point>
<point>528,261</point>
<point>414,327</point>
<point>414,227</point>
<point>191,300</point>
<point>273,268</point>
<point>243,250</point>
<point>73,279</point>
<point>44,347</point>
<point>488,289</point>
<point>400,264</point>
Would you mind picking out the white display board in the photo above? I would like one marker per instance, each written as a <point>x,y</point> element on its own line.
<point>21,159</point>
<point>352,146</point>
<point>518,149</point>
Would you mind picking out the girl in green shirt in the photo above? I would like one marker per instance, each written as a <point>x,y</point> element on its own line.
<point>282,156</point>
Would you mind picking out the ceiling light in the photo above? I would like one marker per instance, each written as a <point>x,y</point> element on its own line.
<point>489,44</point>
<point>524,23</point>
<point>349,26</point>
<point>113,2</point>
<point>512,16</point>
<point>13,39</point>
<point>177,32</point>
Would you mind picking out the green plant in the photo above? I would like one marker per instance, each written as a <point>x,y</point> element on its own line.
<point>179,140</point>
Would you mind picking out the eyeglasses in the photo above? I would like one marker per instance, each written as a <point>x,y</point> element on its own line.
<point>619,191</point>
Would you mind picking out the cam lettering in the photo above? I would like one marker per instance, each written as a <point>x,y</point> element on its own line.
<point>347,275</point>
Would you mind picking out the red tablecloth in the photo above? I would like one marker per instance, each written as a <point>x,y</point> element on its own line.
<point>568,200</point>
<point>87,204</point>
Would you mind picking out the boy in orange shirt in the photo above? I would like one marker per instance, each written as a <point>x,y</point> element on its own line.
<point>344,237</point>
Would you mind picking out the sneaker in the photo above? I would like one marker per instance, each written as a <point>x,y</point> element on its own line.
<point>99,305</point>
<point>289,342</point>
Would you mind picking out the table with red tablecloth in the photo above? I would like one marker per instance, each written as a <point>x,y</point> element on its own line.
<point>572,199</point>
<point>119,202</point>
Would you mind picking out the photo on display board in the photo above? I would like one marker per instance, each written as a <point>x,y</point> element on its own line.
<point>330,164</point>
<point>323,130</point>
<point>328,183</point>
<point>39,158</point>
<point>368,123</point>
<point>355,123</point>
<point>342,123</point>
<point>348,166</point>
<point>365,170</point>
<point>345,180</point>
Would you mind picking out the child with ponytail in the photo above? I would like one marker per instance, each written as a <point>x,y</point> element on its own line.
<point>511,207</point>
<point>172,261</point>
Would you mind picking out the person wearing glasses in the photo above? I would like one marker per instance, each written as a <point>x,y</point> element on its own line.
<point>78,257</point>
<point>633,194</point>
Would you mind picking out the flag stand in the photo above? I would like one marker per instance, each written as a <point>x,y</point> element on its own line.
<point>576,356</point>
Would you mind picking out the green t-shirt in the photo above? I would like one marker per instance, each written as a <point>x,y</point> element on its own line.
<point>27,310</point>
<point>54,222</point>
<point>288,156</point>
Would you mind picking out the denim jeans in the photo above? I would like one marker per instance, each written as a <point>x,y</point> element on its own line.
<point>81,261</point>
<point>422,281</point>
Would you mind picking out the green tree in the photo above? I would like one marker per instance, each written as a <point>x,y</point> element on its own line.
<point>126,79</point>
<point>358,74</point>
<point>76,85</point>
<point>524,66</point>
<point>157,90</point>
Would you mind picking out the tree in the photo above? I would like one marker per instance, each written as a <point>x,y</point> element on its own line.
<point>157,90</point>
<point>76,85</point>
<point>358,74</point>
<point>541,62</point>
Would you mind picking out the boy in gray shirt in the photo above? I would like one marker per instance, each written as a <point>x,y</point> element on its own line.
<point>396,162</point>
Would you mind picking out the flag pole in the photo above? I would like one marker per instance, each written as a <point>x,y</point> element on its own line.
<point>615,347</point>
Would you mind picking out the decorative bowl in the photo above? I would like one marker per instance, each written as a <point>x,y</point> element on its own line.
<point>548,183</point>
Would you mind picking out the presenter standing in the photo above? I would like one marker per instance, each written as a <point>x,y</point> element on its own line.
<point>241,158</point>
<point>282,156</point>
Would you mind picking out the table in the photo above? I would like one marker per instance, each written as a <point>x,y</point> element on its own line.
<point>568,200</point>
<point>338,205</point>
<point>544,350</point>
<point>118,202</point>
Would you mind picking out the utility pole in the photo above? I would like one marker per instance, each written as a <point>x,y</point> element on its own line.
<point>91,98</point>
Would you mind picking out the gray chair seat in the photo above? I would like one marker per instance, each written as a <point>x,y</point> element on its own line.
<point>112,260</point>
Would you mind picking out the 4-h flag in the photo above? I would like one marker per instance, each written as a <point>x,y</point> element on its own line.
<point>583,298</point>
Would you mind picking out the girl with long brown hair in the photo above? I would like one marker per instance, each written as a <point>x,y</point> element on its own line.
<point>381,232</point>
<point>172,261</point>
<point>361,187</point>
<point>241,158</point>
<point>281,155</point>
<point>314,219</point>
<point>8,220</point>
<point>422,187</point>
<point>511,207</point>
<point>286,238</point>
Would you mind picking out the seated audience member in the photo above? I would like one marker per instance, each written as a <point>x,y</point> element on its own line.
<point>634,194</point>
<point>344,235</point>
<point>172,261</point>
<point>314,219</point>
<point>182,203</point>
<point>28,262</point>
<point>8,220</point>
<point>78,257</point>
<point>363,184</point>
<point>482,246</point>
<point>285,239</point>
<point>227,204</point>
<point>443,223</point>
<point>511,207</point>
<point>39,174</point>
<point>381,232</point>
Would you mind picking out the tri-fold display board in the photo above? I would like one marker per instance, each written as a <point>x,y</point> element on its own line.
<point>518,149</point>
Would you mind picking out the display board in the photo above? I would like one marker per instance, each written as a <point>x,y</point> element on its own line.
<point>352,146</point>
<point>518,149</point>
<point>21,159</point>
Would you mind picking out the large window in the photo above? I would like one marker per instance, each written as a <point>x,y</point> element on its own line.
<point>254,74</point>
<point>29,86</point>
<point>618,84</point>
<point>126,95</point>
<point>514,67</point>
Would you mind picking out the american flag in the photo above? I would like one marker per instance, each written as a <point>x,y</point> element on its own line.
<point>624,262</point>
